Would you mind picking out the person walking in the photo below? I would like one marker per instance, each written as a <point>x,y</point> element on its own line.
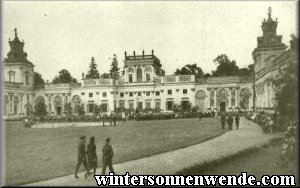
<point>200,115</point>
<point>111,118</point>
<point>237,122</point>
<point>115,119</point>
<point>223,120</point>
<point>107,156</point>
<point>81,157</point>
<point>103,119</point>
<point>92,155</point>
<point>123,117</point>
<point>230,122</point>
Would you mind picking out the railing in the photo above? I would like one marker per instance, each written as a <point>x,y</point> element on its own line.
<point>181,78</point>
<point>12,84</point>
<point>169,79</point>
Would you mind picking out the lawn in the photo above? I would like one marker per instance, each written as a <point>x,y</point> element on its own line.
<point>38,154</point>
<point>255,161</point>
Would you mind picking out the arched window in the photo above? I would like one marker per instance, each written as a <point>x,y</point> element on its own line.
<point>11,76</point>
<point>139,75</point>
<point>6,105</point>
<point>27,78</point>
<point>16,103</point>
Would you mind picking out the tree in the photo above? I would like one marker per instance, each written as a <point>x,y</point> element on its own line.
<point>79,109</point>
<point>286,91</point>
<point>64,77</point>
<point>68,108</point>
<point>93,72</point>
<point>40,109</point>
<point>115,70</point>
<point>190,69</point>
<point>247,71</point>
<point>38,80</point>
<point>105,75</point>
<point>225,66</point>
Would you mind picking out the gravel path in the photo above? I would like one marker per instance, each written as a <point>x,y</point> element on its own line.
<point>249,135</point>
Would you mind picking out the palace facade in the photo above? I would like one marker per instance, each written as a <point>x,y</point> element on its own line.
<point>144,85</point>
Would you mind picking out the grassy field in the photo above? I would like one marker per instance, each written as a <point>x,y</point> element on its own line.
<point>37,154</point>
<point>255,161</point>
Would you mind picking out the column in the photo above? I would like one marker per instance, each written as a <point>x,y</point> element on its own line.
<point>10,102</point>
<point>21,102</point>
<point>207,98</point>
<point>237,97</point>
<point>229,102</point>
<point>215,98</point>
<point>52,103</point>
<point>63,102</point>
<point>33,95</point>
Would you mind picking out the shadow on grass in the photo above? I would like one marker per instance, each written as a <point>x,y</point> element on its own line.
<point>207,165</point>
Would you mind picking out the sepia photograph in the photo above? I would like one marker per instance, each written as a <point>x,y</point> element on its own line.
<point>149,93</point>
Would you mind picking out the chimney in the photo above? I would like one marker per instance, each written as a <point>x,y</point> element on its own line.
<point>152,52</point>
<point>134,54</point>
<point>143,54</point>
<point>125,54</point>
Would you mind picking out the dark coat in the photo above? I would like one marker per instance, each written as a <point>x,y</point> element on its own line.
<point>92,155</point>
<point>229,120</point>
<point>223,118</point>
<point>81,151</point>
<point>237,119</point>
<point>108,153</point>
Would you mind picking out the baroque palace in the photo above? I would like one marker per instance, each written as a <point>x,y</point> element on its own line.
<point>144,86</point>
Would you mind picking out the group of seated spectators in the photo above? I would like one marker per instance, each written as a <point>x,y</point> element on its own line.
<point>265,120</point>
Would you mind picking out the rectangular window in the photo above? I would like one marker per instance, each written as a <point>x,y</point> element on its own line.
<point>157,93</point>
<point>104,94</point>
<point>148,104</point>
<point>90,108</point>
<point>139,93</point>
<point>82,93</point>
<point>131,105</point>
<point>184,91</point>
<point>130,94</point>
<point>121,104</point>
<point>169,92</point>
<point>148,93</point>
<point>157,104</point>
<point>90,94</point>
<point>148,77</point>
<point>130,78</point>
<point>121,94</point>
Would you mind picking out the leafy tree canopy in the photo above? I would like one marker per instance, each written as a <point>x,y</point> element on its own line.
<point>93,72</point>
<point>286,91</point>
<point>64,76</point>
<point>38,80</point>
<point>40,109</point>
<point>105,75</point>
<point>225,66</point>
<point>190,69</point>
<point>114,70</point>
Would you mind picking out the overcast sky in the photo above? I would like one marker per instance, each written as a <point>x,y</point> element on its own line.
<point>65,35</point>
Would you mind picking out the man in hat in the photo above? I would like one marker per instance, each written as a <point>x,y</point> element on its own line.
<point>230,122</point>
<point>237,122</point>
<point>108,154</point>
<point>81,157</point>
<point>223,120</point>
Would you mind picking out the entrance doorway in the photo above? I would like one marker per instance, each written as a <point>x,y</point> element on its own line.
<point>58,110</point>
<point>170,105</point>
<point>140,105</point>
<point>222,106</point>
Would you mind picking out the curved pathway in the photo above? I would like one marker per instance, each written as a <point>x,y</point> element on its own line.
<point>249,135</point>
